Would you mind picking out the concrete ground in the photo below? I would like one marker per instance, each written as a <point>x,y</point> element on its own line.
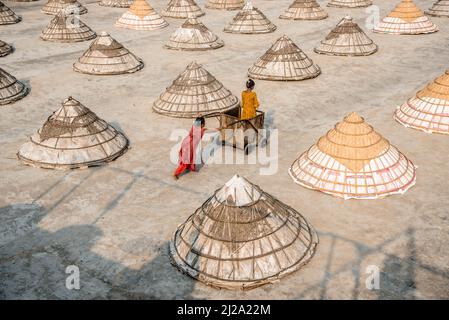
<point>115,222</point>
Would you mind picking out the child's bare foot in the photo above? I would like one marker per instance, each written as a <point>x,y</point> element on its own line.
<point>175,177</point>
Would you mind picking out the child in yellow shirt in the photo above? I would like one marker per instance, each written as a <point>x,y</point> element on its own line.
<point>249,101</point>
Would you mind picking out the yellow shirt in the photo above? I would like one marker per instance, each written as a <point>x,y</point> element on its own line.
<point>249,104</point>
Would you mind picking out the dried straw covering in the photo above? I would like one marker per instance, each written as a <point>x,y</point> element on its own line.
<point>182,9</point>
<point>406,18</point>
<point>11,89</point>
<point>284,61</point>
<point>195,92</point>
<point>73,137</point>
<point>116,3</point>
<point>7,16</point>
<point>5,49</point>
<point>350,3</point>
<point>67,28</point>
<point>242,238</point>
<point>428,111</point>
<point>141,16</point>
<point>347,39</point>
<point>354,161</point>
<point>439,9</point>
<point>225,4</point>
<point>250,20</point>
<point>71,6</point>
<point>304,10</point>
<point>106,56</point>
<point>193,35</point>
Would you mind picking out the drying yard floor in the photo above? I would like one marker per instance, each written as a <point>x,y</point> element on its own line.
<point>115,222</point>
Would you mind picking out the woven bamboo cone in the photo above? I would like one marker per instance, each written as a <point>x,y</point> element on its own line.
<point>406,19</point>
<point>225,4</point>
<point>116,3</point>
<point>141,16</point>
<point>284,61</point>
<point>354,161</point>
<point>7,16</point>
<point>195,92</point>
<point>242,238</point>
<point>347,39</point>
<point>63,29</point>
<point>250,20</point>
<point>350,3</point>
<point>193,35</point>
<point>182,9</point>
<point>304,10</point>
<point>106,56</point>
<point>11,89</point>
<point>5,49</point>
<point>439,9</point>
<point>73,137</point>
<point>428,110</point>
<point>54,6</point>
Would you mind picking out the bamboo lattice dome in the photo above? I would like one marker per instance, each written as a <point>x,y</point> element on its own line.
<point>11,89</point>
<point>350,3</point>
<point>5,49</point>
<point>250,20</point>
<point>242,238</point>
<point>141,16</point>
<point>54,6</point>
<point>354,161</point>
<point>193,35</point>
<point>182,9</point>
<point>116,3</point>
<point>304,10</point>
<point>195,92</point>
<point>347,39</point>
<point>73,137</point>
<point>406,18</point>
<point>428,110</point>
<point>225,4</point>
<point>67,28</point>
<point>439,9</point>
<point>284,61</point>
<point>106,56</point>
<point>7,16</point>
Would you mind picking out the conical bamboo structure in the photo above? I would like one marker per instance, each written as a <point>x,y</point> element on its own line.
<point>304,10</point>
<point>354,161</point>
<point>73,137</point>
<point>250,20</point>
<point>406,18</point>
<point>72,6</point>
<point>284,61</point>
<point>141,16</point>
<point>11,89</point>
<point>195,92</point>
<point>428,110</point>
<point>439,9</point>
<point>242,238</point>
<point>106,56</point>
<point>225,4</point>
<point>347,39</point>
<point>182,9</point>
<point>67,28</point>
<point>7,16</point>
<point>116,3</point>
<point>350,3</point>
<point>5,49</point>
<point>193,35</point>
